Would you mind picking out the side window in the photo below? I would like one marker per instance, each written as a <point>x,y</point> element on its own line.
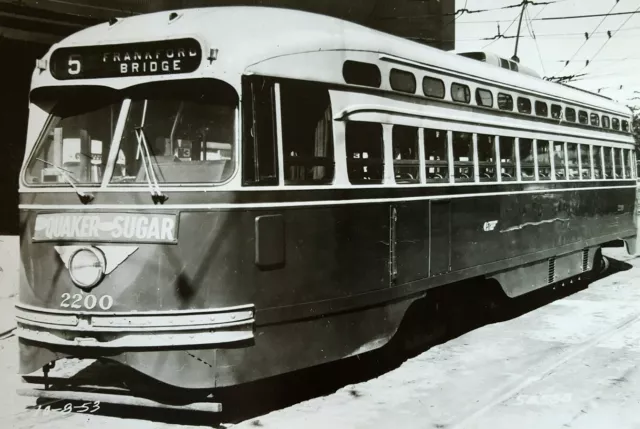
<point>586,161</point>
<point>433,87</point>
<point>484,97</point>
<point>570,114</point>
<point>606,122</point>
<point>403,81</point>
<point>583,117</point>
<point>559,161</point>
<point>508,158</point>
<point>260,159</point>
<point>625,126</point>
<point>572,160</point>
<point>460,93</point>
<point>527,162</point>
<point>556,111</point>
<point>486,158</point>
<point>359,73</point>
<point>595,120</point>
<point>406,158</point>
<point>608,163</point>
<point>617,160</point>
<point>541,109</point>
<point>463,157</point>
<point>627,163</point>
<point>436,155</point>
<point>544,160</point>
<point>615,124</point>
<point>365,152</point>
<point>524,105</point>
<point>597,162</point>
<point>505,102</point>
<point>307,134</point>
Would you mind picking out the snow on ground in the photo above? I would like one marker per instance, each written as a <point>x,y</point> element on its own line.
<point>572,363</point>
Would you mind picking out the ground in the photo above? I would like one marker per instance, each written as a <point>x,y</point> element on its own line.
<point>571,363</point>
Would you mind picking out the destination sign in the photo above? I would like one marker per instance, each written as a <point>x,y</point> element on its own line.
<point>130,59</point>
<point>106,227</point>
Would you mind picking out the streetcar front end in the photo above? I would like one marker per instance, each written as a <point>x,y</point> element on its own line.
<point>121,258</point>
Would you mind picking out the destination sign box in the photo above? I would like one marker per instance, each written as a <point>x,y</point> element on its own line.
<point>106,227</point>
<point>130,59</point>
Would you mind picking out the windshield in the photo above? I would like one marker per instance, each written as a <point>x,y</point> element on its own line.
<point>188,128</point>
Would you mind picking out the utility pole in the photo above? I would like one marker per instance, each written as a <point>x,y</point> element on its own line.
<point>515,53</point>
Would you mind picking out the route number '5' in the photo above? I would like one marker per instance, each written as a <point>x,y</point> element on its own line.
<point>88,302</point>
<point>75,65</point>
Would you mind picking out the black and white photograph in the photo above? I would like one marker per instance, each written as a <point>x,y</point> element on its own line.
<point>319,214</point>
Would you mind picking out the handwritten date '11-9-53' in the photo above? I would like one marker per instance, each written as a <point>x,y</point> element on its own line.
<point>68,408</point>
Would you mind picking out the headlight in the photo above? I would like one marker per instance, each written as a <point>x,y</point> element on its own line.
<point>86,267</point>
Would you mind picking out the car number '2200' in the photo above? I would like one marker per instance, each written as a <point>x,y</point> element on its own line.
<point>88,302</point>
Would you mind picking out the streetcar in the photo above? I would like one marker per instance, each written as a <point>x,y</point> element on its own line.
<point>236,193</point>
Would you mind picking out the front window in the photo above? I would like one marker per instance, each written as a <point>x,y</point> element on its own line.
<point>76,144</point>
<point>180,132</point>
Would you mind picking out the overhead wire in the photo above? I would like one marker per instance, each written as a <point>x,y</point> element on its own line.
<point>587,38</point>
<point>533,34</point>
<point>556,17</point>
<point>460,12</point>
<point>457,16</point>
<point>502,36</point>
<point>608,39</point>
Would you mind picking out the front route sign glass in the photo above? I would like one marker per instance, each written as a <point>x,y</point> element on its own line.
<point>130,59</point>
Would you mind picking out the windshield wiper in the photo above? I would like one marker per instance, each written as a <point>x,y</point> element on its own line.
<point>84,197</point>
<point>143,150</point>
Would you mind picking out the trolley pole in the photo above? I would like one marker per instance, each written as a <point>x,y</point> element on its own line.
<point>515,53</point>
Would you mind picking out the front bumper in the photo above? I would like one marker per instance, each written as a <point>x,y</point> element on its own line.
<point>136,330</point>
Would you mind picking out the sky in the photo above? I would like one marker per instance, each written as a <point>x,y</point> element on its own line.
<point>613,61</point>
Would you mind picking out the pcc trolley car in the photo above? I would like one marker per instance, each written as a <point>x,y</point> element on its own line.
<point>239,192</point>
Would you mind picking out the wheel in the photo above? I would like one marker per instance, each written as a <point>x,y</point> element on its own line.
<point>600,263</point>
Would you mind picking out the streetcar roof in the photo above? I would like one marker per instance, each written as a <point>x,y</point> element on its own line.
<point>247,35</point>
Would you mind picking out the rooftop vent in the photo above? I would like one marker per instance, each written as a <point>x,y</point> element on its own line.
<point>493,59</point>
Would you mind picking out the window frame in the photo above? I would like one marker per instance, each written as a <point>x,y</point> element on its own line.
<point>406,162</point>
<point>433,79</point>
<point>471,164</point>
<point>512,164</point>
<point>505,96</point>
<point>585,167</point>
<point>380,164</point>
<point>483,164</point>
<point>615,124</point>
<point>575,165</point>
<point>583,114</point>
<point>624,126</point>
<point>528,102</point>
<point>362,65</point>
<point>400,73</point>
<point>541,109</point>
<point>479,97</point>
<point>467,92</point>
<point>560,174</point>
<point>528,165</point>
<point>436,164</point>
